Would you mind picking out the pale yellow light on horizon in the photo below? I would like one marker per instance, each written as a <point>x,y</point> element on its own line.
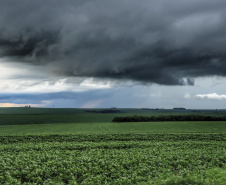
<point>43,104</point>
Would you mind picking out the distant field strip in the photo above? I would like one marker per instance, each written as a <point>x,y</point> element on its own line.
<point>23,116</point>
<point>143,127</point>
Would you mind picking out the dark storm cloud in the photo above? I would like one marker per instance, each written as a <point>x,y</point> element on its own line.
<point>163,42</point>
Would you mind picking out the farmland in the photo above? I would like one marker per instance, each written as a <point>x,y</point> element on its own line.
<point>77,147</point>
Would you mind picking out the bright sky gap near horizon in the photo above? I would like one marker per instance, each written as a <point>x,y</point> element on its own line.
<point>117,53</point>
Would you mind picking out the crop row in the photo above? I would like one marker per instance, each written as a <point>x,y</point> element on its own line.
<point>110,137</point>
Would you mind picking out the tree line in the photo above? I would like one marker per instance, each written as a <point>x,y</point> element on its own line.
<point>136,118</point>
<point>103,111</point>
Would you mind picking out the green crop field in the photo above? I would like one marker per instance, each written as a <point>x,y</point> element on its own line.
<point>108,127</point>
<point>72,146</point>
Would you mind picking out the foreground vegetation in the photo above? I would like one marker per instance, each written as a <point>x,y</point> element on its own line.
<point>113,159</point>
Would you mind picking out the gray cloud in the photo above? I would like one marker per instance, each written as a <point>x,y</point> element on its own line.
<point>163,42</point>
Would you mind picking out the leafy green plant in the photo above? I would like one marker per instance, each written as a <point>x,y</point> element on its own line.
<point>113,159</point>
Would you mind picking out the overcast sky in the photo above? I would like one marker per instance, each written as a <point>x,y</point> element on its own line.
<point>116,53</point>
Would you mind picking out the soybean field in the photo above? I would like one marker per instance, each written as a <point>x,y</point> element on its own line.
<point>88,148</point>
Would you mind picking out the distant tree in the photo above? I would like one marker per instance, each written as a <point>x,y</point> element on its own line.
<point>136,118</point>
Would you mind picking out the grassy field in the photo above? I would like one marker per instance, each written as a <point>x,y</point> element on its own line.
<point>71,146</point>
<point>98,128</point>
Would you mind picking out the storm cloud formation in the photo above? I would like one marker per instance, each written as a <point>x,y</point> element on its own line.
<point>163,42</point>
